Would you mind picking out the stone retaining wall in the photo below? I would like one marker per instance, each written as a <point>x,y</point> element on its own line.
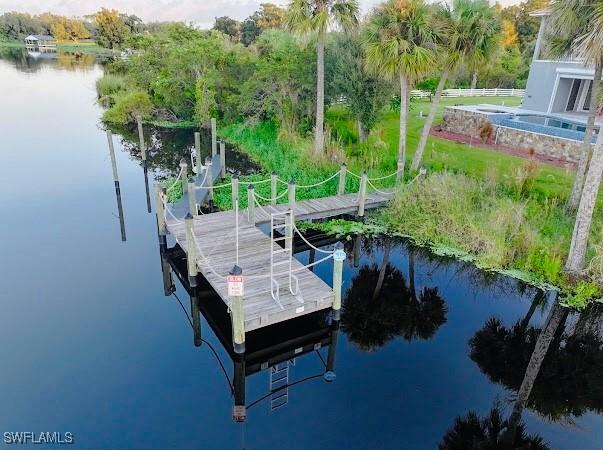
<point>466,122</point>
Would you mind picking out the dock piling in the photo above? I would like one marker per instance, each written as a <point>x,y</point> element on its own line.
<point>214,137</point>
<point>191,250</point>
<point>238,317</point>
<point>210,182</point>
<point>342,174</point>
<point>329,375</point>
<point>222,159</point>
<point>199,163</point>
<point>362,194</point>
<point>291,192</point>
<point>196,318</point>
<point>184,170</point>
<point>143,148</point>
<point>338,259</point>
<point>251,204</point>
<point>273,186</point>
<point>192,199</point>
<point>113,160</point>
<point>234,183</point>
<point>160,209</point>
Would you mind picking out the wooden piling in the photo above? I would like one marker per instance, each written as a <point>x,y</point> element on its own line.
<point>196,318</point>
<point>160,209</point>
<point>329,375</point>
<point>209,181</point>
<point>214,138</point>
<point>251,204</point>
<point>239,411</point>
<point>191,250</point>
<point>199,162</point>
<point>291,192</point>
<point>234,183</point>
<point>192,199</point>
<point>222,159</point>
<point>238,317</point>
<point>273,187</point>
<point>342,174</point>
<point>338,259</point>
<point>113,160</point>
<point>143,148</point>
<point>362,194</point>
<point>184,179</point>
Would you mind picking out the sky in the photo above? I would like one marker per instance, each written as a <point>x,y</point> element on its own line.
<point>200,12</point>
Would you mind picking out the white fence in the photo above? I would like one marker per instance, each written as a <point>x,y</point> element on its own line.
<point>472,93</point>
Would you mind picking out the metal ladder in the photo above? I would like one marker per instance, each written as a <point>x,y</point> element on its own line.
<point>282,220</point>
<point>279,382</point>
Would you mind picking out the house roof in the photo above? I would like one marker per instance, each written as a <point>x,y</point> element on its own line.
<point>541,12</point>
<point>40,37</point>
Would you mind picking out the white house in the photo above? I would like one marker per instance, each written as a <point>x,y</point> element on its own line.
<point>39,42</point>
<point>557,86</point>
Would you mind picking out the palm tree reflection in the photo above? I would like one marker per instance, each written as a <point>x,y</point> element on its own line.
<point>380,306</point>
<point>472,432</point>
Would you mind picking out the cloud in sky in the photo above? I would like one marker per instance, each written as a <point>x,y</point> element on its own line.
<point>201,12</point>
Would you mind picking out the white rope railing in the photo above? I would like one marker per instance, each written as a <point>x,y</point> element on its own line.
<point>178,180</point>
<point>319,183</point>
<point>385,177</point>
<point>330,252</point>
<point>378,190</point>
<point>281,195</point>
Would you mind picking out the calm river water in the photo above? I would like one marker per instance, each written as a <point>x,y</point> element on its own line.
<point>91,345</point>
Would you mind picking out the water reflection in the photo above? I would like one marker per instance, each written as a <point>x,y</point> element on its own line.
<point>165,147</point>
<point>31,62</point>
<point>380,305</point>
<point>568,382</point>
<point>273,350</point>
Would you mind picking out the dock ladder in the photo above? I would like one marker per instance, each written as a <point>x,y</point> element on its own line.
<point>279,384</point>
<point>284,221</point>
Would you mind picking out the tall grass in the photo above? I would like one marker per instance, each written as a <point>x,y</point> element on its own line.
<point>109,85</point>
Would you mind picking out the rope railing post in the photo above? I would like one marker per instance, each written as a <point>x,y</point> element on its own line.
<point>214,138</point>
<point>234,183</point>
<point>362,194</point>
<point>238,316</point>
<point>222,159</point>
<point>192,199</point>
<point>273,192</point>
<point>291,192</point>
<point>191,250</point>
<point>184,171</point>
<point>143,148</point>
<point>210,182</point>
<point>338,259</point>
<point>159,209</point>
<point>251,204</point>
<point>342,173</point>
<point>199,162</point>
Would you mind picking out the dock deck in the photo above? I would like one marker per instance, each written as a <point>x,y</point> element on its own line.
<point>215,236</point>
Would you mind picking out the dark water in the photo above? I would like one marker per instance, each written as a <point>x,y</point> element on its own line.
<point>91,346</point>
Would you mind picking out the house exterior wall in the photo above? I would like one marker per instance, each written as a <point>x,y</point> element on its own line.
<point>542,84</point>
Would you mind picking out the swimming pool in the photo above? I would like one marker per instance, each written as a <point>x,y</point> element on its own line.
<point>543,124</point>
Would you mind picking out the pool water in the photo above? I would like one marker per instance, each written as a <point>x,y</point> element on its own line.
<point>551,121</point>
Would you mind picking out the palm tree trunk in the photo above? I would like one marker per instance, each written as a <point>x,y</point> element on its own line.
<point>384,264</point>
<point>403,125</point>
<point>474,80</point>
<point>574,200</point>
<point>540,350</point>
<point>319,132</point>
<point>416,161</point>
<point>577,252</point>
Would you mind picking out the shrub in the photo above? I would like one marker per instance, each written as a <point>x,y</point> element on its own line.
<point>109,85</point>
<point>127,106</point>
<point>485,131</point>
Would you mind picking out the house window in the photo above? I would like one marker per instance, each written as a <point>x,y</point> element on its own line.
<point>571,102</point>
<point>586,103</point>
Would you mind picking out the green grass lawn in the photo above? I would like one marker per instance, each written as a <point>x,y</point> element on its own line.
<point>444,154</point>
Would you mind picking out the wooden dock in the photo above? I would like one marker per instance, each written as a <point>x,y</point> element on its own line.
<point>216,238</point>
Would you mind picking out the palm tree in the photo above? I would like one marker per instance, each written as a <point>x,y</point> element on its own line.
<point>470,34</point>
<point>590,47</point>
<point>569,22</point>
<point>399,41</point>
<point>315,16</point>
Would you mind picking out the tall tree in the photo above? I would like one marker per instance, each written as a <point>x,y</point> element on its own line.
<point>569,21</point>
<point>470,33</point>
<point>315,16</point>
<point>366,93</point>
<point>112,30</point>
<point>228,26</point>
<point>589,45</point>
<point>399,41</point>
<point>270,16</point>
